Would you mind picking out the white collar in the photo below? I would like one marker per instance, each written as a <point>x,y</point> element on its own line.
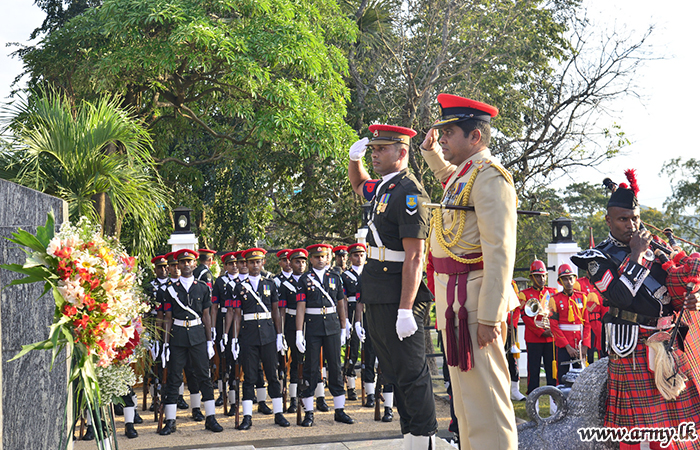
<point>296,277</point>
<point>174,280</point>
<point>320,273</point>
<point>386,178</point>
<point>187,282</point>
<point>242,276</point>
<point>358,269</point>
<point>287,275</point>
<point>162,280</point>
<point>254,281</point>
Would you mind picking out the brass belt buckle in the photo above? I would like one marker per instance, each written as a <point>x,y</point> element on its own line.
<point>187,323</point>
<point>382,253</point>
<point>323,310</point>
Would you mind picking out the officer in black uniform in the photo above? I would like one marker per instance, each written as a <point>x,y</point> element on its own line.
<point>394,296</point>
<point>188,338</point>
<point>288,291</point>
<point>229,276</point>
<point>351,279</point>
<point>321,308</point>
<point>254,313</point>
<point>154,319</point>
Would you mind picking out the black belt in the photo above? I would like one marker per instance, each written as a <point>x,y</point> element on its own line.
<point>629,316</point>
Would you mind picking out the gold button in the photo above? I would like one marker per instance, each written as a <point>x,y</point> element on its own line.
<point>385,269</point>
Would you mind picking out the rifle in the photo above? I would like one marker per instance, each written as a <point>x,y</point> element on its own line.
<point>161,408</point>
<point>300,373</point>
<point>146,384</point>
<point>362,372</point>
<point>236,386</point>
<point>223,375</point>
<point>156,398</point>
<point>285,367</point>
<point>377,414</point>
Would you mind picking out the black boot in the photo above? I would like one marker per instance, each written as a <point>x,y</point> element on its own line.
<point>308,419</point>
<point>231,410</point>
<point>168,427</point>
<point>321,404</point>
<point>181,403</point>
<point>369,403</point>
<point>352,395</point>
<point>89,433</point>
<point>280,420</point>
<point>197,414</point>
<point>129,431</point>
<point>118,409</point>
<point>152,407</point>
<point>342,417</point>
<point>388,414</point>
<point>246,423</point>
<point>212,425</point>
<point>137,418</point>
<point>219,401</point>
<point>264,409</point>
<point>292,405</point>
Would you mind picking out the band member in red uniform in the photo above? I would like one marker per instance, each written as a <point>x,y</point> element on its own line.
<point>569,322</point>
<point>538,336</point>
<point>596,311</point>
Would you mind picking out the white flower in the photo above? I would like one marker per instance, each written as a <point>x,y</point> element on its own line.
<point>71,290</point>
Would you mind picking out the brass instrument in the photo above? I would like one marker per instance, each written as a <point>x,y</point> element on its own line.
<point>534,308</point>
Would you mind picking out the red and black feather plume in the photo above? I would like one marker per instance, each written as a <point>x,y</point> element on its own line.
<point>631,175</point>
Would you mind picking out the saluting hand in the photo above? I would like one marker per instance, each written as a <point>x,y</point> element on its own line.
<point>430,143</point>
<point>358,149</point>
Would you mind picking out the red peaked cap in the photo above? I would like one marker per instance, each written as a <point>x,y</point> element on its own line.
<point>160,260</point>
<point>357,247</point>
<point>319,249</point>
<point>390,134</point>
<point>254,253</point>
<point>457,109</point>
<point>340,250</point>
<point>228,257</point>
<point>298,253</point>
<point>170,256</point>
<point>283,254</point>
<point>186,253</point>
<point>564,270</point>
<point>206,250</point>
<point>239,255</point>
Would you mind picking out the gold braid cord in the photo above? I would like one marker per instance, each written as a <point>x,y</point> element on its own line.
<point>442,234</point>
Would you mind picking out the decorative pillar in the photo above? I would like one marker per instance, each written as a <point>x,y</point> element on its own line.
<point>560,250</point>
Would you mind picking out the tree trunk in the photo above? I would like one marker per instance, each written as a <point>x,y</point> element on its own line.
<point>105,210</point>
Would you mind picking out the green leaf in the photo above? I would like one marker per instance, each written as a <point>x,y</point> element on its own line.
<point>43,345</point>
<point>45,234</point>
<point>27,239</point>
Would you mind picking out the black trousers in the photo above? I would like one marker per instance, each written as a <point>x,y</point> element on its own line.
<point>512,362</point>
<point>353,348</point>
<point>404,365</point>
<point>369,358</point>
<point>536,353</point>
<point>251,358</point>
<point>290,334</point>
<point>199,368</point>
<point>312,372</point>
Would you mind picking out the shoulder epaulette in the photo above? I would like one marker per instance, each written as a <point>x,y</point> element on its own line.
<point>489,162</point>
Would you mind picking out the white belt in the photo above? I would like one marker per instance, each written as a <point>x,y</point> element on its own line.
<point>382,254</point>
<point>292,312</point>
<point>352,299</point>
<point>257,316</point>
<point>569,327</point>
<point>320,311</point>
<point>187,323</point>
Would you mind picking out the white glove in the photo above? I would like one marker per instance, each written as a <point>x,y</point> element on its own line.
<point>235,348</point>
<point>358,149</point>
<point>281,345</point>
<point>224,341</point>
<point>343,336</point>
<point>405,324</point>
<point>210,349</point>
<point>301,343</point>
<point>348,327</point>
<point>213,333</point>
<point>155,349</point>
<point>166,354</point>
<point>360,331</point>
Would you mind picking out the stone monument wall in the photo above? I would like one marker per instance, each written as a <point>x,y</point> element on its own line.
<point>33,398</point>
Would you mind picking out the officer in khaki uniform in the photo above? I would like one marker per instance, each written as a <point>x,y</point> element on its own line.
<point>482,255</point>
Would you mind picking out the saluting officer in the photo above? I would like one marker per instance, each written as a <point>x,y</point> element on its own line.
<point>351,280</point>
<point>394,296</point>
<point>255,316</point>
<point>288,291</point>
<point>188,329</point>
<point>320,306</point>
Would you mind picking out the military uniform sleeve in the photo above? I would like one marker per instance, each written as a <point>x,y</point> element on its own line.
<point>441,168</point>
<point>274,295</point>
<point>414,218</point>
<point>206,300</point>
<point>495,205</point>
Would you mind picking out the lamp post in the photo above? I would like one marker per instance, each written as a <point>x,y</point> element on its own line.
<point>560,249</point>
<point>182,236</point>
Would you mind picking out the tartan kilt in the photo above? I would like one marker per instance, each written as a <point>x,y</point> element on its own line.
<point>634,401</point>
